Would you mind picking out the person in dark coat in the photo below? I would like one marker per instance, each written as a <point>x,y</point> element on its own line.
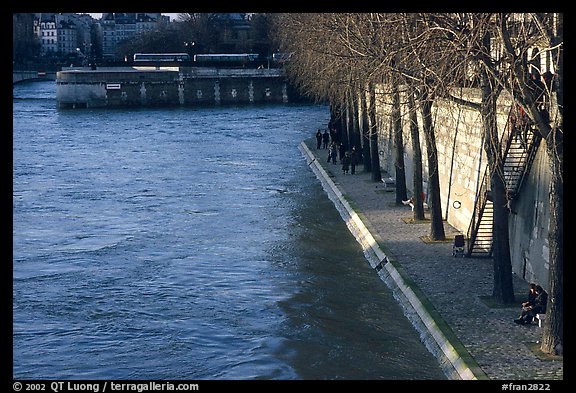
<point>332,152</point>
<point>539,307</point>
<point>354,160</point>
<point>531,295</point>
<point>341,151</point>
<point>318,139</point>
<point>325,139</point>
<point>332,134</point>
<point>346,163</point>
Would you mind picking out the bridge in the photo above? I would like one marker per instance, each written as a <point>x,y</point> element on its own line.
<point>23,76</point>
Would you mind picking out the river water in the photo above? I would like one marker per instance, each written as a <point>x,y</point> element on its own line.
<point>189,243</point>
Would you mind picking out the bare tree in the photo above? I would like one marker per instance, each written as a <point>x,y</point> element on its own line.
<point>503,288</point>
<point>333,51</point>
<point>325,65</point>
<point>417,57</point>
<point>399,166</point>
<point>502,47</point>
<point>417,172</point>
<point>437,226</point>
<point>366,153</point>
<point>436,54</point>
<point>376,174</point>
<point>544,104</point>
<point>447,46</point>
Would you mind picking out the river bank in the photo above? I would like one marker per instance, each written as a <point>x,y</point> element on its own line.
<point>441,295</point>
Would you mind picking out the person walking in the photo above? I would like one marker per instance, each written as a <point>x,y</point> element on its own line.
<point>318,139</point>
<point>341,150</point>
<point>332,152</point>
<point>332,134</point>
<point>325,139</point>
<point>346,163</point>
<point>354,160</point>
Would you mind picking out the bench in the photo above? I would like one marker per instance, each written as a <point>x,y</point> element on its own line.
<point>541,318</point>
<point>409,202</point>
<point>389,183</point>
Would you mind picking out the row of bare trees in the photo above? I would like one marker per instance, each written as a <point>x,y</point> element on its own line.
<point>344,57</point>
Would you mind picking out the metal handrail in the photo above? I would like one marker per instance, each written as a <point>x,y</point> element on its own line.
<point>512,189</point>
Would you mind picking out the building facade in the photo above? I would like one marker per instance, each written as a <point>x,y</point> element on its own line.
<point>67,34</point>
<point>117,27</point>
<point>63,33</point>
<point>47,35</point>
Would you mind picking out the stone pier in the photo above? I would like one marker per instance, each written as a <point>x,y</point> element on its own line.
<point>170,86</point>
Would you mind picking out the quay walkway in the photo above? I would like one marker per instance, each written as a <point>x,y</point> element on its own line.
<point>443,296</point>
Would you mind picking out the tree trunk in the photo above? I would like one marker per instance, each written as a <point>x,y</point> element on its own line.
<point>355,137</point>
<point>417,175</point>
<point>399,167</point>
<point>367,161</point>
<point>334,122</point>
<point>348,123</point>
<point>343,127</point>
<point>437,226</point>
<point>553,334</point>
<point>374,156</point>
<point>337,121</point>
<point>503,289</point>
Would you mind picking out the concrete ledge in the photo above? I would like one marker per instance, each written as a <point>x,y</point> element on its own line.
<point>454,359</point>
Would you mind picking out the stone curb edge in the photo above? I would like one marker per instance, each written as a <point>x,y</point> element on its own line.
<point>453,357</point>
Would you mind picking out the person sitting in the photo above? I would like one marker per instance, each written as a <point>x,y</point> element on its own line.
<point>531,295</point>
<point>530,311</point>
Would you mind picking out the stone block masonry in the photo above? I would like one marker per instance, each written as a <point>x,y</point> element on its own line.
<point>462,164</point>
<point>115,87</point>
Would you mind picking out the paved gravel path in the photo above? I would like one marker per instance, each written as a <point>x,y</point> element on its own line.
<point>501,348</point>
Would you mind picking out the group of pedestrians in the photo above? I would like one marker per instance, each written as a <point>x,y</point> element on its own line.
<point>347,158</point>
<point>350,159</point>
<point>322,139</point>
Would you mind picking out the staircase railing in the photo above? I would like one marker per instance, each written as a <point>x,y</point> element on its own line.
<point>519,143</point>
<point>479,208</point>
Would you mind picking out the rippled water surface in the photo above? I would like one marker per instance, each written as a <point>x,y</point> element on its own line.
<point>188,243</point>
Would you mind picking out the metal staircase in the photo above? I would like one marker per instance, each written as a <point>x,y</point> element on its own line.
<point>520,151</point>
<point>480,229</point>
<point>520,143</point>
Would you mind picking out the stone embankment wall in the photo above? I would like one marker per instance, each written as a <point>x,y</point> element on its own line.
<point>462,164</point>
<point>438,338</point>
<point>169,86</point>
<point>24,76</point>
